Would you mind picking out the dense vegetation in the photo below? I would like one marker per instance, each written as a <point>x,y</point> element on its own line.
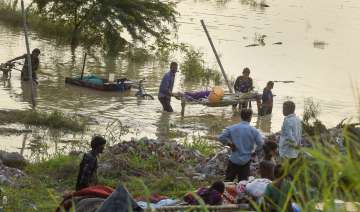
<point>108,20</point>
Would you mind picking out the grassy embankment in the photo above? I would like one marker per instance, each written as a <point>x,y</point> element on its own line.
<point>49,179</point>
<point>322,177</point>
<point>54,120</point>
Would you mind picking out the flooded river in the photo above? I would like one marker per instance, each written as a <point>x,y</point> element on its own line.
<point>319,52</point>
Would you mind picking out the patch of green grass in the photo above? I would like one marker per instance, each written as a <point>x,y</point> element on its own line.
<point>54,119</point>
<point>31,195</point>
<point>44,186</point>
<point>204,146</point>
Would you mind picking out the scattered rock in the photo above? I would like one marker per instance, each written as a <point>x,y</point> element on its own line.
<point>216,166</point>
<point>12,159</point>
<point>9,176</point>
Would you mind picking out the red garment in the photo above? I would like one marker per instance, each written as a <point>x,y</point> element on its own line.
<point>229,195</point>
<point>92,191</point>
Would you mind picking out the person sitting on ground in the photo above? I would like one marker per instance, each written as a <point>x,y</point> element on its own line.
<point>276,194</point>
<point>243,84</point>
<point>241,138</point>
<point>88,167</point>
<point>25,76</point>
<point>267,99</point>
<point>267,165</point>
<point>210,196</point>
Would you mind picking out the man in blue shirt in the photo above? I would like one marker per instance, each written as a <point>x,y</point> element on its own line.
<point>291,133</point>
<point>267,99</point>
<point>242,139</point>
<point>166,87</point>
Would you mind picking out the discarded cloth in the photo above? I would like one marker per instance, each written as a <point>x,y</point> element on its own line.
<point>93,79</point>
<point>89,192</point>
<point>154,198</point>
<point>161,203</point>
<point>257,187</point>
<point>196,95</point>
<point>209,196</point>
<point>119,200</point>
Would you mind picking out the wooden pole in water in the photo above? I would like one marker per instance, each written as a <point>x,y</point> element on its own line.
<point>28,55</point>
<point>217,56</point>
<point>83,67</point>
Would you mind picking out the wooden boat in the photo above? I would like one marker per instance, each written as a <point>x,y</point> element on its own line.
<point>120,85</point>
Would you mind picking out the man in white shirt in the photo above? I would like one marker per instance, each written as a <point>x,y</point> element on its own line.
<point>290,138</point>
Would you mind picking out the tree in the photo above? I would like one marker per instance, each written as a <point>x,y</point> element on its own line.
<point>107,20</point>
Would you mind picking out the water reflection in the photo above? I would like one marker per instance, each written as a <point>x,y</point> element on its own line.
<point>163,126</point>
<point>26,91</point>
<point>263,123</point>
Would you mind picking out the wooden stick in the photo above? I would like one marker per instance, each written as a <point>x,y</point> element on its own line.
<point>217,56</point>
<point>83,67</point>
<point>28,54</point>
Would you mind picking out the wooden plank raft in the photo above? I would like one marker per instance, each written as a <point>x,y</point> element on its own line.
<point>227,100</point>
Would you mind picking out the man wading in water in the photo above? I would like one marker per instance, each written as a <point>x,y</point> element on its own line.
<point>89,164</point>
<point>25,76</point>
<point>166,87</point>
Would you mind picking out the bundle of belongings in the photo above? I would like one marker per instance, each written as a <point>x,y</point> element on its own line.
<point>213,96</point>
<point>106,199</point>
<point>92,79</point>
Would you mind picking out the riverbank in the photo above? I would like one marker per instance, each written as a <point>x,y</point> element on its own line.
<point>328,171</point>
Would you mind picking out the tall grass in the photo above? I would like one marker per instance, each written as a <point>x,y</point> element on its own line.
<point>324,173</point>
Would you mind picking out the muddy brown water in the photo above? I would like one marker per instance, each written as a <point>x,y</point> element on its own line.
<point>319,51</point>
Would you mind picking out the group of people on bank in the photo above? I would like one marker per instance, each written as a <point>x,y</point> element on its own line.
<point>242,138</point>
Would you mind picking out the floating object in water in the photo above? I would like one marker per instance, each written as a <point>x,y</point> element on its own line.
<point>101,84</point>
<point>252,45</point>
<point>319,44</point>
<point>216,94</point>
<point>278,43</point>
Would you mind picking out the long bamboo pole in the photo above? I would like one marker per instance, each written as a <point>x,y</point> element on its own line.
<point>83,67</point>
<point>217,56</point>
<point>28,55</point>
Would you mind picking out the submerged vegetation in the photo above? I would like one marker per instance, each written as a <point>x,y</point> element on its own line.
<point>11,15</point>
<point>194,69</point>
<point>54,119</point>
<point>105,23</point>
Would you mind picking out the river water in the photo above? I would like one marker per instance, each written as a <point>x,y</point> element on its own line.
<point>319,52</point>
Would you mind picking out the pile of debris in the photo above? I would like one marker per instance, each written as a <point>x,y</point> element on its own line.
<point>9,175</point>
<point>164,151</point>
<point>9,164</point>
